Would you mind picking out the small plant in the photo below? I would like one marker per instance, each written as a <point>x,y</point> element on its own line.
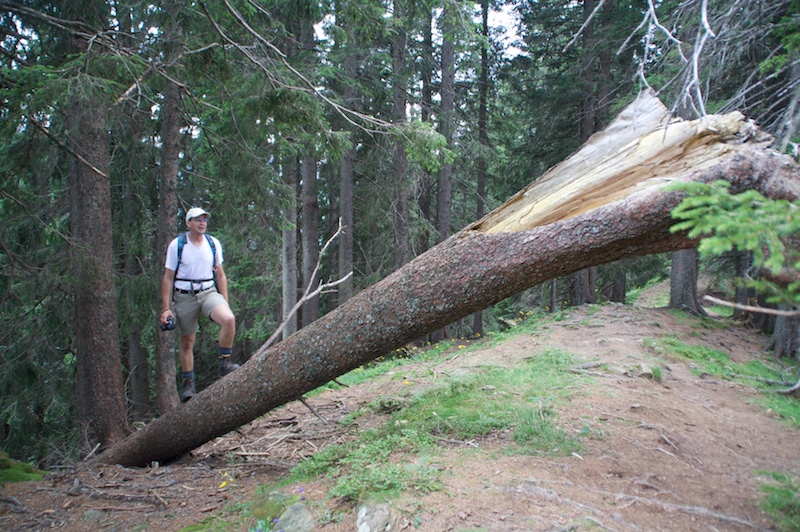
<point>536,433</point>
<point>658,376</point>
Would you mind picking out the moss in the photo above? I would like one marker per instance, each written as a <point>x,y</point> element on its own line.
<point>13,471</point>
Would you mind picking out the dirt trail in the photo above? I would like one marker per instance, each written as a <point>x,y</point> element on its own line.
<point>682,454</point>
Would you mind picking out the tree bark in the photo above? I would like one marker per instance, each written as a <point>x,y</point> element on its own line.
<point>483,138</point>
<point>310,236</point>
<point>400,218</point>
<point>100,390</point>
<point>683,282</point>
<point>347,168</point>
<point>166,391</point>
<point>607,202</point>
<point>444,194</point>
<point>584,281</point>
<point>310,206</point>
<point>289,246</point>
<point>743,294</point>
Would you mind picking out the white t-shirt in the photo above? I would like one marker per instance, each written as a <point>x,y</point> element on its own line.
<point>195,263</point>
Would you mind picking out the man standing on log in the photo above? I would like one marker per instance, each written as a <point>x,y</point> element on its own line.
<point>194,281</point>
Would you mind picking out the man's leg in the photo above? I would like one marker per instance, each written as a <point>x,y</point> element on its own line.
<point>186,352</point>
<point>186,355</point>
<point>223,315</point>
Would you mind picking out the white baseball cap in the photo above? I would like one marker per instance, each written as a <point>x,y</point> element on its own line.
<point>194,212</point>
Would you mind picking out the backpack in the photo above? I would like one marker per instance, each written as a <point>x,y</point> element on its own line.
<point>182,242</point>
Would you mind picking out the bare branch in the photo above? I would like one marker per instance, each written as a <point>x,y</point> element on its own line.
<point>309,293</point>
<point>63,146</point>
<point>750,308</point>
<point>585,23</point>
<point>348,114</point>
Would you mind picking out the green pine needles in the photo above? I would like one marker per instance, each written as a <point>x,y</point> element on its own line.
<point>748,221</point>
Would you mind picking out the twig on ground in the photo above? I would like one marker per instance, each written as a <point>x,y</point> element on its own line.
<point>324,421</point>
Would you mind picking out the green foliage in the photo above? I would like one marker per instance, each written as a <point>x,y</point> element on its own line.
<point>788,34</point>
<point>425,146</point>
<point>782,500</point>
<point>14,471</point>
<point>745,222</point>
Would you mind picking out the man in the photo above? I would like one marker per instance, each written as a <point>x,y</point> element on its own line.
<point>194,282</point>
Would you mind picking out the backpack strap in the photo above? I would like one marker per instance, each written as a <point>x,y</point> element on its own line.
<point>182,238</point>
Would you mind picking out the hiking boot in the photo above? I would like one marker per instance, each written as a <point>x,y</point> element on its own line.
<point>188,390</point>
<point>226,366</point>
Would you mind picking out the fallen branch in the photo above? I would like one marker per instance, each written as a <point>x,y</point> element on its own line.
<point>790,390</point>
<point>751,308</point>
<point>689,509</point>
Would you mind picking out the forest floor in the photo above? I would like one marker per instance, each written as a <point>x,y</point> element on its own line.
<point>681,454</point>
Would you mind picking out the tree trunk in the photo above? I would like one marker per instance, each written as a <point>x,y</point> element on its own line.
<point>399,158</point>
<point>423,186</point>
<point>605,203</point>
<point>743,295</point>
<point>166,391</point>
<point>444,198</point>
<point>310,236</point>
<point>583,287</point>
<point>444,195</point>
<point>618,289</point>
<point>310,206</point>
<point>347,170</point>
<point>583,282</point>
<point>289,246</point>
<point>483,138</point>
<point>683,282</point>
<point>785,340</point>
<point>100,390</point>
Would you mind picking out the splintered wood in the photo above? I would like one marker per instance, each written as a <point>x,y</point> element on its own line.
<point>642,147</point>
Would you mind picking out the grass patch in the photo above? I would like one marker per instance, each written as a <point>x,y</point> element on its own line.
<point>755,373</point>
<point>209,524</point>
<point>526,323</point>
<point>782,500</point>
<point>662,300</point>
<point>13,471</point>
<point>396,458</point>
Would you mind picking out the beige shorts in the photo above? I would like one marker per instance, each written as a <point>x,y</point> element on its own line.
<point>187,308</point>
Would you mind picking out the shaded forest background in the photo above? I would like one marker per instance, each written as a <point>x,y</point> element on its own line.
<point>402,121</point>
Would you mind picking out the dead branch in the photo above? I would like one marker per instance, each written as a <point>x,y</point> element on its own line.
<point>790,390</point>
<point>750,308</point>
<point>308,294</point>
<point>689,509</point>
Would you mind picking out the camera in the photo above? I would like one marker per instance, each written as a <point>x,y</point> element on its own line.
<point>169,325</point>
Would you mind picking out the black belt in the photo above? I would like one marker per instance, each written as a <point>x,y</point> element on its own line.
<point>193,291</point>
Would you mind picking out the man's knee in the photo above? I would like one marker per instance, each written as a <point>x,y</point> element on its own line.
<point>223,316</point>
<point>229,320</point>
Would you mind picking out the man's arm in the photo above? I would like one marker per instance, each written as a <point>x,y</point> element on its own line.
<point>222,281</point>
<point>166,294</point>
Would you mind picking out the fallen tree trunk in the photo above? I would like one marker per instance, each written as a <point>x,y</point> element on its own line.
<point>605,203</point>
